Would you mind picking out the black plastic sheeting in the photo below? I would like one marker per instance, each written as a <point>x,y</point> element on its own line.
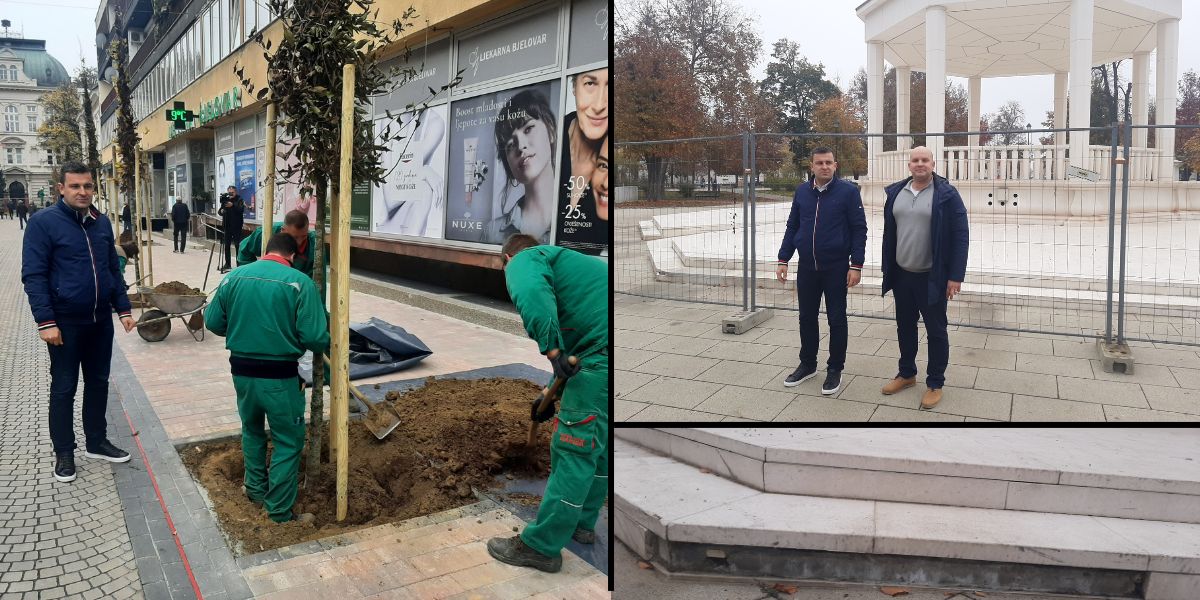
<point>377,348</point>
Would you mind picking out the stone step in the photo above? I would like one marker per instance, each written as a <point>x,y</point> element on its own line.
<point>1151,474</point>
<point>690,522</point>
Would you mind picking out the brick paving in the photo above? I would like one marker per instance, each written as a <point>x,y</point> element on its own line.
<point>675,364</point>
<point>117,531</point>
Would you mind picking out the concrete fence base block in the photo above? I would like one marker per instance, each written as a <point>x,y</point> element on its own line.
<point>1115,357</point>
<point>741,322</point>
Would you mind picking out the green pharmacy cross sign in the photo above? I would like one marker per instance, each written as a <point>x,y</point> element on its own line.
<point>180,116</point>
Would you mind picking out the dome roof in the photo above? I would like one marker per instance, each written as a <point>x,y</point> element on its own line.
<point>39,64</point>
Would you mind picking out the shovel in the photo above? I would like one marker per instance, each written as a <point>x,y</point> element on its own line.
<point>548,395</point>
<point>379,420</point>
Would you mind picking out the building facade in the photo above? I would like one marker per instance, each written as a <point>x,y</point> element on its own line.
<point>26,72</point>
<point>453,192</point>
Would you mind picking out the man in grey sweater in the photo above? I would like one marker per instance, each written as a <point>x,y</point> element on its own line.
<point>925,241</point>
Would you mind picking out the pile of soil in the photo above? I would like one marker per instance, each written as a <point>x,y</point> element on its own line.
<point>453,435</point>
<point>175,288</point>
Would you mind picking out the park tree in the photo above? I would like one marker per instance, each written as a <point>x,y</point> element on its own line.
<point>795,87</point>
<point>85,80</point>
<point>1187,112</point>
<point>126,133</point>
<point>59,133</point>
<point>1010,117</point>
<point>658,99</point>
<point>837,115</point>
<point>956,107</point>
<point>304,81</point>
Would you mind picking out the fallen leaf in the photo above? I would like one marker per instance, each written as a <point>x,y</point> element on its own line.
<point>703,470</point>
<point>644,565</point>
<point>787,589</point>
<point>894,591</point>
<point>980,594</point>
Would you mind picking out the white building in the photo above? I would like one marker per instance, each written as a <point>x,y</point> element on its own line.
<point>26,72</point>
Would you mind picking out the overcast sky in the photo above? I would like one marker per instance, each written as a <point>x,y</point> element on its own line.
<point>66,25</point>
<point>833,35</point>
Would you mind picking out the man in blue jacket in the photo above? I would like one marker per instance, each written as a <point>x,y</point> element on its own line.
<point>69,267</point>
<point>925,239</point>
<point>828,228</point>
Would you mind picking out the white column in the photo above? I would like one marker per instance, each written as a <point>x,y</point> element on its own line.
<point>1082,12</point>
<point>974,87</point>
<point>1168,83</point>
<point>1060,109</point>
<point>1141,93</point>
<point>874,107</point>
<point>935,81</point>
<point>903,84</point>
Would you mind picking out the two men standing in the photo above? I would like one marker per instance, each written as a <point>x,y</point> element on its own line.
<point>924,261</point>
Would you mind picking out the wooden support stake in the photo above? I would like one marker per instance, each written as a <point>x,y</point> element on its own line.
<point>146,205</point>
<point>269,189</point>
<point>135,215</point>
<point>341,289</point>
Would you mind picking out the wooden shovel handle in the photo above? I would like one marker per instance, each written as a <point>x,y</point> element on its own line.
<point>547,397</point>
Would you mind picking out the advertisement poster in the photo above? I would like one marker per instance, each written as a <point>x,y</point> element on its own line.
<point>411,200</point>
<point>245,180</point>
<point>583,222</point>
<point>503,151</point>
<point>225,176</point>
<point>291,194</point>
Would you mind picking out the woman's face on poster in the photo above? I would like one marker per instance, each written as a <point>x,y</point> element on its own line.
<point>600,182</point>
<point>591,103</point>
<point>528,150</point>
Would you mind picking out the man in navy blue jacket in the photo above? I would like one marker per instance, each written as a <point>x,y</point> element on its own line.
<point>925,239</point>
<point>828,228</point>
<point>69,267</point>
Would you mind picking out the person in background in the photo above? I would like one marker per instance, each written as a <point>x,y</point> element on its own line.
<point>179,217</point>
<point>232,212</point>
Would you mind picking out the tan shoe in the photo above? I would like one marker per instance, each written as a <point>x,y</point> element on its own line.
<point>897,384</point>
<point>931,398</point>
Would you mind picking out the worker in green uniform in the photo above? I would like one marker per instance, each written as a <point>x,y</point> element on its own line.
<point>295,224</point>
<point>269,314</point>
<point>562,296</point>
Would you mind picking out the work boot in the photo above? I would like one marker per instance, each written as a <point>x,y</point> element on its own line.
<point>898,383</point>
<point>106,451</point>
<point>584,536</point>
<point>64,466</point>
<point>931,398</point>
<point>514,551</point>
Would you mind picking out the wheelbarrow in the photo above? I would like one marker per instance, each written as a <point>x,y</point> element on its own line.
<point>155,324</point>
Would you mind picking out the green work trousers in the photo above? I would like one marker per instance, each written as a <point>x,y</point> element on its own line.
<point>578,461</point>
<point>281,403</point>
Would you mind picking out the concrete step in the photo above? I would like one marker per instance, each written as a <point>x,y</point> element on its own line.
<point>691,522</point>
<point>1126,473</point>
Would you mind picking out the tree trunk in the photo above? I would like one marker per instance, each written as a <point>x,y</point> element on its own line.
<point>654,165</point>
<point>316,429</point>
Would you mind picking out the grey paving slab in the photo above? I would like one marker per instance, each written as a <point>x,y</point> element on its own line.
<point>1151,374</point>
<point>675,365</point>
<point>1172,399</point>
<point>1124,413</point>
<point>670,391</point>
<point>781,337</point>
<point>671,414</point>
<point>1017,382</point>
<point>786,356</point>
<point>625,409</point>
<point>628,381</point>
<point>746,403</point>
<point>687,328</point>
<point>734,372</point>
<point>718,333</point>
<point>1076,349</point>
<point>627,358</point>
<point>891,413</point>
<point>981,357</point>
<point>825,409</point>
<point>680,344</point>
<point>1102,392</point>
<point>1033,408</point>
<point>638,323</point>
<point>1188,378</point>
<point>627,338</point>
<point>743,351</point>
<point>1019,344</point>
<point>1054,365</point>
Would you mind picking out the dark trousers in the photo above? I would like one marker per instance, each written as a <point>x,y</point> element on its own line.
<point>180,236</point>
<point>233,236</point>
<point>912,300</point>
<point>810,286</point>
<point>90,347</point>
<point>22,218</point>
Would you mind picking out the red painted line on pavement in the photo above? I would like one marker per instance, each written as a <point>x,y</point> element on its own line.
<point>174,534</point>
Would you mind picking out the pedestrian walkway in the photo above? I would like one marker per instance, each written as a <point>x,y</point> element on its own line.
<point>144,529</point>
<point>676,364</point>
